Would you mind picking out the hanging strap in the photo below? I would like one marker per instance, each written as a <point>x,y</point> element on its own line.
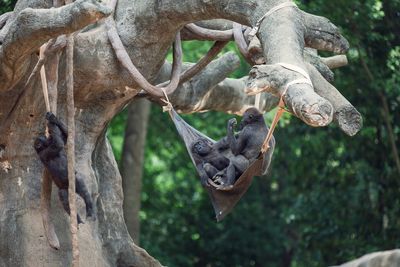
<point>257,101</point>
<point>254,31</point>
<point>44,79</point>
<point>281,106</point>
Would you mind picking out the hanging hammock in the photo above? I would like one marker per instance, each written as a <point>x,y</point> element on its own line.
<point>223,201</point>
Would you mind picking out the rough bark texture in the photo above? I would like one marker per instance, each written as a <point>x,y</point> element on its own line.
<point>102,88</point>
<point>379,259</point>
<point>132,163</point>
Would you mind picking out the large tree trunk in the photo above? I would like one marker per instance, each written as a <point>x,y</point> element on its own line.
<point>132,163</point>
<point>147,29</point>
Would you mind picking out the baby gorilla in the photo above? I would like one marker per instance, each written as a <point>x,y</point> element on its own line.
<point>52,154</point>
<point>210,159</point>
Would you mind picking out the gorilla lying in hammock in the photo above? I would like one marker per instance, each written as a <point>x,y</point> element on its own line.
<point>226,167</point>
<point>245,146</point>
<point>52,154</point>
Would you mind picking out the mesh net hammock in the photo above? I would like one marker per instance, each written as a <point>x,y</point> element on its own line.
<point>223,201</point>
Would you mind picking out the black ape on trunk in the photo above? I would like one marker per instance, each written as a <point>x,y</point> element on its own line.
<point>52,154</point>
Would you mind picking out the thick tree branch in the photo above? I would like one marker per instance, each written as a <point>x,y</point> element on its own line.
<point>321,34</point>
<point>335,61</point>
<point>274,78</point>
<point>209,34</point>
<point>208,90</point>
<point>311,56</point>
<point>4,17</point>
<point>33,27</point>
<point>345,114</point>
<point>282,36</point>
<point>301,99</point>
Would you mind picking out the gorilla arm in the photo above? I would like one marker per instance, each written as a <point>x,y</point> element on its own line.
<point>236,143</point>
<point>53,123</point>
<point>203,174</point>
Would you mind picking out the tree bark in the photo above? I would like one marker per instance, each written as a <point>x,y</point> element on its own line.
<point>389,258</point>
<point>132,163</point>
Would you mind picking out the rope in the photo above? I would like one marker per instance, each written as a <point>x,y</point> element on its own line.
<point>281,106</point>
<point>257,101</point>
<point>169,106</point>
<point>255,29</point>
<point>44,79</point>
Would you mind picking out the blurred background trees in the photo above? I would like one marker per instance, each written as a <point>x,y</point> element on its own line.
<point>329,198</point>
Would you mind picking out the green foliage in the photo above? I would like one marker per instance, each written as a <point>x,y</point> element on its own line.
<point>7,5</point>
<point>329,198</point>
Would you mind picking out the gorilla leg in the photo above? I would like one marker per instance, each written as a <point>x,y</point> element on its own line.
<point>81,190</point>
<point>241,163</point>
<point>236,168</point>
<point>210,170</point>
<point>218,177</point>
<point>63,195</point>
<point>230,174</point>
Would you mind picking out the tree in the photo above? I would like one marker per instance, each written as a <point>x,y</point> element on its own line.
<point>132,163</point>
<point>102,87</point>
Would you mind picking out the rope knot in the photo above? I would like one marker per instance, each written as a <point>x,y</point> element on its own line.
<point>168,107</point>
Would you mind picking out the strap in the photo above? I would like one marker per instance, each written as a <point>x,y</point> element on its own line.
<point>254,31</point>
<point>281,105</point>
<point>281,108</point>
<point>297,69</point>
<point>297,81</point>
<point>43,78</point>
<point>294,68</point>
<point>257,101</point>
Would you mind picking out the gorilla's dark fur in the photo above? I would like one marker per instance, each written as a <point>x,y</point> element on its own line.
<point>210,158</point>
<point>52,154</point>
<point>245,146</point>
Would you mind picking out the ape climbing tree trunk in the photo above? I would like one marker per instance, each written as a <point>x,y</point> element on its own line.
<point>71,150</point>
<point>45,198</point>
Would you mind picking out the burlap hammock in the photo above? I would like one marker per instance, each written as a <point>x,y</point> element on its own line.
<point>223,201</point>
